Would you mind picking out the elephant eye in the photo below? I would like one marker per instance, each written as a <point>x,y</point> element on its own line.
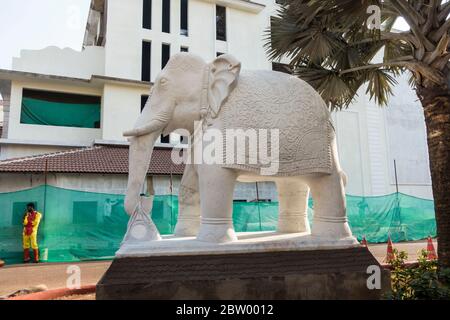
<point>163,81</point>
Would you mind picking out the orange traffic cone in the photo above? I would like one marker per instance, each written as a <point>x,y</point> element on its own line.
<point>390,252</point>
<point>431,252</point>
<point>364,241</point>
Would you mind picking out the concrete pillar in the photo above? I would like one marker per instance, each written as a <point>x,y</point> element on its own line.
<point>5,90</point>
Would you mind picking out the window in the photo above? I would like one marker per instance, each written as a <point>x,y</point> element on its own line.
<point>166,16</point>
<point>147,14</point>
<point>218,54</point>
<point>165,54</point>
<point>60,109</point>
<point>146,60</point>
<point>144,99</point>
<point>165,139</point>
<point>84,212</point>
<point>184,18</point>
<point>184,49</point>
<point>221,23</point>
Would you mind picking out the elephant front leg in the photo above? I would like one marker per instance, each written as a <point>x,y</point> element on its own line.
<point>189,204</point>
<point>293,206</point>
<point>216,201</point>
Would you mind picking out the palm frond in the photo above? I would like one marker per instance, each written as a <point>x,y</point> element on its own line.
<point>380,84</point>
<point>330,45</point>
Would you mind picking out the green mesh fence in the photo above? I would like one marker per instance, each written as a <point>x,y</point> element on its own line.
<point>80,225</point>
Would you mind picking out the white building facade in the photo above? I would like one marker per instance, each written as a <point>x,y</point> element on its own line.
<point>128,42</point>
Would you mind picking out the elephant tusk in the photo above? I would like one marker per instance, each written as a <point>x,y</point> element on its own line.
<point>142,130</point>
<point>131,133</point>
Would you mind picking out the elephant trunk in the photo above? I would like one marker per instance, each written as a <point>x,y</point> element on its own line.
<point>141,149</point>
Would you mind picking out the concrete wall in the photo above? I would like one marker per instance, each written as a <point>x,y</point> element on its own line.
<point>125,35</point>
<point>371,137</point>
<point>407,142</point>
<point>62,62</point>
<point>123,41</point>
<point>351,134</point>
<point>121,106</point>
<point>117,183</point>
<point>10,182</point>
<point>11,151</point>
<point>1,111</point>
<point>246,33</point>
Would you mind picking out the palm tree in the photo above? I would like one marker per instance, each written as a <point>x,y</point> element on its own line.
<point>332,44</point>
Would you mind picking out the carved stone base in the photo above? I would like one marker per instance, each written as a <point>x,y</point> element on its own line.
<point>187,226</point>
<point>140,229</point>
<point>311,274</point>
<point>267,241</point>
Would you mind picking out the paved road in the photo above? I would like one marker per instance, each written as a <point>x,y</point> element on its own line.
<point>54,275</point>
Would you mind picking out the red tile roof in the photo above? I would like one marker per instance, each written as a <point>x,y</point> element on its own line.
<point>97,159</point>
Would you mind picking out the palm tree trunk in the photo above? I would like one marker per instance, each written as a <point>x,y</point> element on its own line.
<point>436,106</point>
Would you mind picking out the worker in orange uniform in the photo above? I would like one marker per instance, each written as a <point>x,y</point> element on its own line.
<point>30,229</point>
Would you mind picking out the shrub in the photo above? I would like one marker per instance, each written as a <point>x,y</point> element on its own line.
<point>418,282</point>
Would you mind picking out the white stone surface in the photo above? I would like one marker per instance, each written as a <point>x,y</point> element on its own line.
<point>62,62</point>
<point>140,229</point>
<point>189,90</point>
<point>268,241</point>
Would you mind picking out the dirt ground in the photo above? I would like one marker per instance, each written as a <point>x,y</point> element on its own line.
<point>54,275</point>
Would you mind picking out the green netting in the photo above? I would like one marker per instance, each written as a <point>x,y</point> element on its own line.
<point>41,112</point>
<point>80,225</point>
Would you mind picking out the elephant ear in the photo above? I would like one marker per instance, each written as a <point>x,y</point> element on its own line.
<point>224,72</point>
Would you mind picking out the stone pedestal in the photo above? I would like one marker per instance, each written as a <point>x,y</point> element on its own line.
<point>295,274</point>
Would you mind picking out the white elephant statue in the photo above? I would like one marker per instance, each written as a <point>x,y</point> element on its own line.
<point>221,96</point>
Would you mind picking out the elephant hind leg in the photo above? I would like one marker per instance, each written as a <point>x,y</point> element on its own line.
<point>293,206</point>
<point>330,216</point>
<point>189,204</point>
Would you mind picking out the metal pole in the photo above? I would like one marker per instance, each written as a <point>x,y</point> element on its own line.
<point>257,202</point>
<point>171,200</point>
<point>396,195</point>
<point>395,173</point>
<point>45,186</point>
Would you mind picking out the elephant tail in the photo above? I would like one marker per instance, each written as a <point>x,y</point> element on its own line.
<point>343,177</point>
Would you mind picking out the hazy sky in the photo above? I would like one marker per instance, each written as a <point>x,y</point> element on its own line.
<point>36,24</point>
